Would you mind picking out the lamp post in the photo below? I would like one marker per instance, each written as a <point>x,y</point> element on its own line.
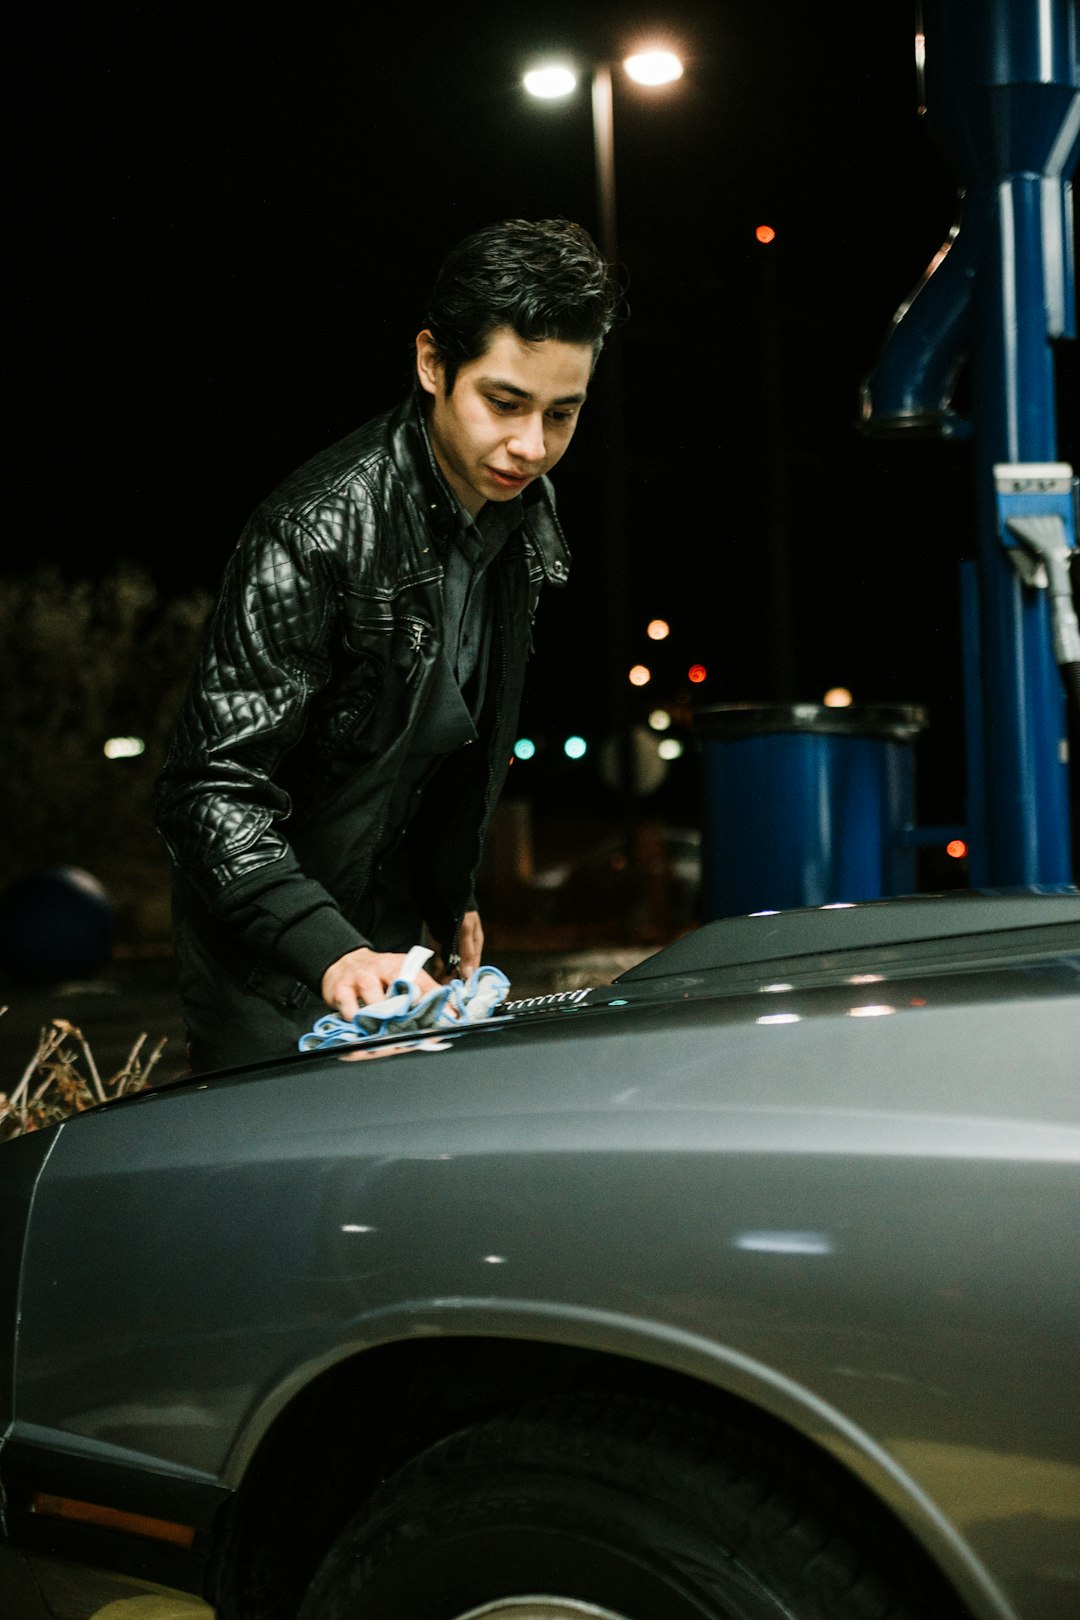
<point>552,81</point>
<point>549,82</point>
<point>603,123</point>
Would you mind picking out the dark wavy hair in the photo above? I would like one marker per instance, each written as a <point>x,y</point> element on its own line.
<point>543,278</point>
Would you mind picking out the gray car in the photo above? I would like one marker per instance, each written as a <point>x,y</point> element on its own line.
<point>744,1288</point>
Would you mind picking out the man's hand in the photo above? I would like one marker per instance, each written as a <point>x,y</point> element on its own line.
<point>470,944</point>
<point>364,976</point>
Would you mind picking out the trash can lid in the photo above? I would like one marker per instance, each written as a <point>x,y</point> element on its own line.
<point>727,722</point>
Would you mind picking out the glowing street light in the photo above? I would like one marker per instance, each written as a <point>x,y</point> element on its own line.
<point>549,83</point>
<point>551,80</point>
<point>654,67</point>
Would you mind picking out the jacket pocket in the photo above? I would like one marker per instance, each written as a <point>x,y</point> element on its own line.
<point>280,988</point>
<point>382,648</point>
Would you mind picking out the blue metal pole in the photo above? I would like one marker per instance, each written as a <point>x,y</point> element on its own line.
<point>1003,98</point>
<point>1024,723</point>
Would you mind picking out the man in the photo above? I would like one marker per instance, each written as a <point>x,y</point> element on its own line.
<point>350,721</point>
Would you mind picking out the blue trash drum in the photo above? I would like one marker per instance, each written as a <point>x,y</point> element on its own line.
<point>805,805</point>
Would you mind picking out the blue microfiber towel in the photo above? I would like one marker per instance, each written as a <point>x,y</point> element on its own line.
<point>403,1008</point>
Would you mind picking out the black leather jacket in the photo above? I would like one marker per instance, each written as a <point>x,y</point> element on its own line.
<point>275,795</point>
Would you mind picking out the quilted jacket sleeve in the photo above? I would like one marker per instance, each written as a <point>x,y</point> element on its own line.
<point>218,805</point>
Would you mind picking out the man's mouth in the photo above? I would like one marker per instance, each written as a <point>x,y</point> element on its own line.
<point>510,480</point>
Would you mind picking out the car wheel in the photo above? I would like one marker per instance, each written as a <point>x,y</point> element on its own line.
<point>576,1508</point>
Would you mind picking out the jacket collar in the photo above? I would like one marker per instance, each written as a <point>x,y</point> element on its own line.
<point>411,459</point>
<point>410,456</point>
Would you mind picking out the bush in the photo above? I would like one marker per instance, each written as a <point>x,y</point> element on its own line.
<point>80,662</point>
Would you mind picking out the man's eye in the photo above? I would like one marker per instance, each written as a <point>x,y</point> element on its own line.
<point>505,406</point>
<point>561,416</point>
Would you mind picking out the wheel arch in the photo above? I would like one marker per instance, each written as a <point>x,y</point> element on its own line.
<point>411,1378</point>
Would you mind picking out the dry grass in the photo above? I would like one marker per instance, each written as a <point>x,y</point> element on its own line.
<point>62,1079</point>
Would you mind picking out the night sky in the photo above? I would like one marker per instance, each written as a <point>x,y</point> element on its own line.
<point>230,216</point>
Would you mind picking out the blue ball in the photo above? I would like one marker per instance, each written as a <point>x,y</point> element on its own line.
<point>55,925</point>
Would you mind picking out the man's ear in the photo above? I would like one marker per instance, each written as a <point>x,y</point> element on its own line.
<point>429,368</point>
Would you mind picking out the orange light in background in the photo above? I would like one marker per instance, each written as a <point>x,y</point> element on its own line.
<point>697,673</point>
<point>956,848</point>
<point>837,697</point>
<point>765,233</point>
<point>657,629</point>
<point>640,676</point>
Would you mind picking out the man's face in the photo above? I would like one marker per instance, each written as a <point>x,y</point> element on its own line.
<point>510,416</point>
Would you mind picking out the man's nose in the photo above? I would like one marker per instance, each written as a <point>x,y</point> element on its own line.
<point>527,442</point>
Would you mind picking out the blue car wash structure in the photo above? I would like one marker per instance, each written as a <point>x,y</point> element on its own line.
<point>1000,82</point>
<point>1002,94</point>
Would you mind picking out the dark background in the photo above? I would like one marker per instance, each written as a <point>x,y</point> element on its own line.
<point>229,218</point>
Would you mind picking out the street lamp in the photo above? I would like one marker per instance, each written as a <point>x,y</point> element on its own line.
<point>551,81</point>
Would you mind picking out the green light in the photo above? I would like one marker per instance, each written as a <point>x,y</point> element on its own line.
<point>524,748</point>
<point>575,747</point>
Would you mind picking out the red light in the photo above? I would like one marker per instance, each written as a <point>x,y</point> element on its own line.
<point>697,673</point>
<point>765,233</point>
<point>956,848</point>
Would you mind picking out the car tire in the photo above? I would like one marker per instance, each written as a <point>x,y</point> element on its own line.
<point>614,1509</point>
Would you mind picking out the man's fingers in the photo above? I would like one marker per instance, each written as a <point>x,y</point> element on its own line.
<point>362,978</point>
<point>343,1002</point>
<point>368,989</point>
<point>470,944</point>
